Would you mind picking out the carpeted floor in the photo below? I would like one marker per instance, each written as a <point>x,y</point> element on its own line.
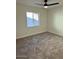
<point>41,46</point>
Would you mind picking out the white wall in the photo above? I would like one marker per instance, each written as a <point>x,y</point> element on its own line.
<point>21,28</point>
<point>55,20</point>
<point>51,20</point>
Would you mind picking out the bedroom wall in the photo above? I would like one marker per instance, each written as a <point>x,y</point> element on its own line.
<point>21,29</point>
<point>55,20</point>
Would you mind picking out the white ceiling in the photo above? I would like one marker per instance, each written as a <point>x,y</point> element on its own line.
<point>33,2</point>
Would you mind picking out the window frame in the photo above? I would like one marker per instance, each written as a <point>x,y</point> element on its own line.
<point>33,20</point>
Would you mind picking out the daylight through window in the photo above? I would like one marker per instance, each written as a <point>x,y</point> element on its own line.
<point>32,19</point>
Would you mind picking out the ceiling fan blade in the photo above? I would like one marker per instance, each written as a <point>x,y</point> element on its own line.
<point>52,4</point>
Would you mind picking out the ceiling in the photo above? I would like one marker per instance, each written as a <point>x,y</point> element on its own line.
<point>33,2</point>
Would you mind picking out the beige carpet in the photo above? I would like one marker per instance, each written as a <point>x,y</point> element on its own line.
<point>41,46</point>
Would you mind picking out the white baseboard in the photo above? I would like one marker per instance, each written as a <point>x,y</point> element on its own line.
<point>37,33</point>
<point>29,35</point>
<point>56,33</point>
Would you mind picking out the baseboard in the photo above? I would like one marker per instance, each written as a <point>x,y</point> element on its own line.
<point>30,35</point>
<point>36,34</point>
<point>56,34</point>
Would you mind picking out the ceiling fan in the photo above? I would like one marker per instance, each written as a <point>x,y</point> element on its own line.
<point>46,5</point>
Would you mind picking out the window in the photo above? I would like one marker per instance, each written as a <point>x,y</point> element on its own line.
<point>32,19</point>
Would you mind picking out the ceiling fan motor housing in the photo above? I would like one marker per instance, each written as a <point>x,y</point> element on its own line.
<point>45,4</point>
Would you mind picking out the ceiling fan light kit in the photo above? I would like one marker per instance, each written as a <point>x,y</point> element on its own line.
<point>45,6</point>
